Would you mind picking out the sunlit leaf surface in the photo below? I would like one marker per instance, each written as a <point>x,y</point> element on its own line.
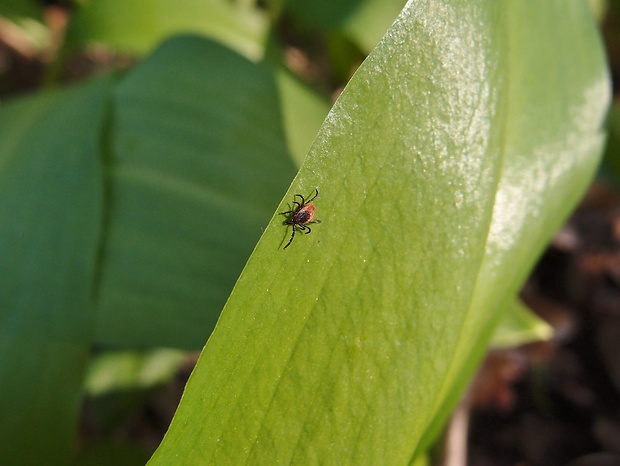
<point>449,160</point>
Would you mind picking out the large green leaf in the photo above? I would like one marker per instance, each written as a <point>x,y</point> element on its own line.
<point>50,222</point>
<point>135,27</point>
<point>19,9</point>
<point>364,21</point>
<point>198,159</point>
<point>451,157</point>
<point>519,325</point>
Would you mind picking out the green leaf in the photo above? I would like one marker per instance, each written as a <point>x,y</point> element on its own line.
<point>130,370</point>
<point>364,21</point>
<point>611,167</point>
<point>50,222</point>
<point>119,384</point>
<point>19,9</point>
<point>557,95</point>
<point>519,325</point>
<point>303,112</point>
<point>451,157</point>
<point>323,14</point>
<point>197,161</point>
<point>23,26</point>
<point>599,9</point>
<point>367,25</point>
<point>135,27</point>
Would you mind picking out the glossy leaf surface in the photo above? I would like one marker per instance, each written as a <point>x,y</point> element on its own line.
<point>452,156</point>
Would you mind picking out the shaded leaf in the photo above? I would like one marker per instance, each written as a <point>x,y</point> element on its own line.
<point>303,112</point>
<point>136,27</point>
<point>22,24</point>
<point>50,221</point>
<point>197,161</point>
<point>20,9</point>
<point>611,167</point>
<point>365,21</point>
<point>519,325</point>
<point>130,370</point>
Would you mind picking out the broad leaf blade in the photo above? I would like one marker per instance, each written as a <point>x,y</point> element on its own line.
<point>51,211</point>
<point>327,344</point>
<point>351,346</point>
<point>18,9</point>
<point>198,160</point>
<point>138,26</point>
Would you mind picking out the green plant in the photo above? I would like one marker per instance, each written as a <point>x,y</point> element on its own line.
<point>131,204</point>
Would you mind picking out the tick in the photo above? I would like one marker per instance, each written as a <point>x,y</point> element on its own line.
<point>301,215</point>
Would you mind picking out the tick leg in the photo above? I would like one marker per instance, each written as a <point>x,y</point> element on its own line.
<point>313,197</point>
<point>306,227</point>
<point>303,202</point>
<point>292,236</point>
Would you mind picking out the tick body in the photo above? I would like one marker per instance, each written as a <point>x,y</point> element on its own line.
<point>301,215</point>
